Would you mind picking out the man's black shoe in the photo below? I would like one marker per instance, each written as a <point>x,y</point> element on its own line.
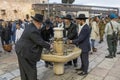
<point>108,56</point>
<point>114,55</point>
<point>90,52</point>
<point>118,52</point>
<point>82,73</point>
<point>79,69</point>
<point>100,41</point>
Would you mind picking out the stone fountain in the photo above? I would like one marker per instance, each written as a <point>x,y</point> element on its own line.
<point>62,53</point>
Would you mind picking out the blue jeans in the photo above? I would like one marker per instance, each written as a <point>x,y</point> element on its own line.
<point>93,43</point>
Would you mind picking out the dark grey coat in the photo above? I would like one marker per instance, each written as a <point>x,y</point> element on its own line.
<point>83,39</point>
<point>31,43</point>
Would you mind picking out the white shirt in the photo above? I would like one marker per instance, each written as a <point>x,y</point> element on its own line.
<point>80,28</point>
<point>61,25</point>
<point>18,34</point>
<point>108,28</point>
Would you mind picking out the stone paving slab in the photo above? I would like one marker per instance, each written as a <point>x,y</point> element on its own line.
<point>7,76</point>
<point>101,72</point>
<point>115,71</point>
<point>93,77</point>
<point>111,78</point>
<point>1,72</point>
<point>18,78</point>
<point>106,64</point>
<point>16,72</point>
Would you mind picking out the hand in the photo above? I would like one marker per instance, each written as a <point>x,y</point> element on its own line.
<point>69,41</point>
<point>51,46</point>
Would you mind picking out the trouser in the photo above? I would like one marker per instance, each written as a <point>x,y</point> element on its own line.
<point>28,69</point>
<point>93,43</point>
<point>74,62</point>
<point>112,45</point>
<point>101,34</point>
<point>4,41</point>
<point>84,61</point>
<point>48,63</point>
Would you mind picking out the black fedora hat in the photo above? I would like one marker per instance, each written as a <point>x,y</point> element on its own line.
<point>82,16</point>
<point>48,22</point>
<point>68,16</point>
<point>38,17</point>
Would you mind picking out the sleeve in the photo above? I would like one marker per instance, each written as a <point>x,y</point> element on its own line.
<point>106,29</point>
<point>95,28</point>
<point>84,33</point>
<point>73,32</point>
<point>118,27</point>
<point>118,30</point>
<point>37,39</point>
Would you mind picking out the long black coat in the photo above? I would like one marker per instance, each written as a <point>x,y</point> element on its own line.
<point>30,44</point>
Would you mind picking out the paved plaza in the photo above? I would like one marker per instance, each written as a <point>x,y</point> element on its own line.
<point>99,67</point>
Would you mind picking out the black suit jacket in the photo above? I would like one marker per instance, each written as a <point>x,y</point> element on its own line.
<point>83,41</point>
<point>30,44</point>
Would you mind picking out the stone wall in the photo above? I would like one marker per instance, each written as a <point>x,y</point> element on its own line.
<point>17,9</point>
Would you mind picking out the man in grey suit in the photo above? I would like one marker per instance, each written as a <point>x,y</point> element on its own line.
<point>29,48</point>
<point>83,42</point>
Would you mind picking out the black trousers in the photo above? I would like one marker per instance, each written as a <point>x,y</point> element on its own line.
<point>84,61</point>
<point>28,69</point>
<point>74,62</point>
<point>5,41</point>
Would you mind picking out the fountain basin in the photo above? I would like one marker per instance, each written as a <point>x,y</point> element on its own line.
<point>61,59</point>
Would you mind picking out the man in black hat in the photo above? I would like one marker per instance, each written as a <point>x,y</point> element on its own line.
<point>60,22</point>
<point>47,33</point>
<point>70,32</point>
<point>55,23</point>
<point>47,30</point>
<point>83,42</point>
<point>29,48</point>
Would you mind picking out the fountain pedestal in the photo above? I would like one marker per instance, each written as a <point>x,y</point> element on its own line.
<point>59,57</point>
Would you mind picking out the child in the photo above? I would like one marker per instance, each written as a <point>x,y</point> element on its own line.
<point>19,32</point>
